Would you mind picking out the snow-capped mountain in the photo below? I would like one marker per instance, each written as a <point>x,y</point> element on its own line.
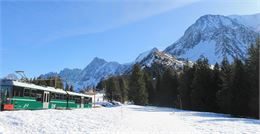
<point>11,77</point>
<point>252,21</point>
<point>155,56</point>
<point>99,69</point>
<point>95,71</point>
<point>214,36</point>
<point>143,55</point>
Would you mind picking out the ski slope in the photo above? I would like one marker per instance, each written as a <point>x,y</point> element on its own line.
<point>123,120</point>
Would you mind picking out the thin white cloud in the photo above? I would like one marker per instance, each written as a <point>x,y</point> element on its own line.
<point>131,11</point>
<point>138,11</point>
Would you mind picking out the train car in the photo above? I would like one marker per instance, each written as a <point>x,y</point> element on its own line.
<point>16,95</point>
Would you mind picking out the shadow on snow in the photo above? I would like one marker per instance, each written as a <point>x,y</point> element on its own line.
<point>209,117</point>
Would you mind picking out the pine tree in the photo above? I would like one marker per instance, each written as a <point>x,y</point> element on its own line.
<point>224,94</point>
<point>109,91</point>
<point>66,87</point>
<point>51,81</point>
<point>101,85</point>
<point>123,89</point>
<point>31,80</point>
<point>168,89</point>
<point>113,91</point>
<point>158,89</point>
<point>201,86</point>
<point>34,80</point>
<point>82,91</point>
<point>215,87</point>
<point>185,81</point>
<point>37,82</point>
<point>239,86</point>
<point>150,86</point>
<point>41,82</point>
<point>253,75</point>
<point>58,83</point>
<point>137,90</point>
<point>71,88</point>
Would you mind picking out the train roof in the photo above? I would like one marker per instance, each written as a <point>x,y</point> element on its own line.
<point>50,89</point>
<point>78,94</point>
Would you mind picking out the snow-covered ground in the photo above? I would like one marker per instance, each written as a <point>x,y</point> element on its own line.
<point>125,119</point>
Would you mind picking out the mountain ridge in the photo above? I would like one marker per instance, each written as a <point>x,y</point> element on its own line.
<point>217,34</point>
<point>99,69</point>
<point>213,36</point>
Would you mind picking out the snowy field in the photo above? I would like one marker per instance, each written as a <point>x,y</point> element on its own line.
<point>125,119</point>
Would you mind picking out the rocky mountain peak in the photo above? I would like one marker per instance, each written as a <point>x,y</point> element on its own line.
<point>97,61</point>
<point>214,36</point>
<point>145,54</point>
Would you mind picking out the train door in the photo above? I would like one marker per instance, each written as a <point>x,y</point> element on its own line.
<point>46,99</point>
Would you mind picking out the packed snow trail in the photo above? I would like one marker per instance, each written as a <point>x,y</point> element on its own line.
<point>125,119</point>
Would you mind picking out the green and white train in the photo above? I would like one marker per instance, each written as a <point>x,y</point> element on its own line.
<point>15,95</point>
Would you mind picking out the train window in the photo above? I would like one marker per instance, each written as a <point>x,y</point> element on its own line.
<point>5,91</point>
<point>38,95</point>
<point>77,99</point>
<point>57,96</point>
<point>26,92</point>
<point>52,96</point>
<point>65,96</point>
<point>71,98</point>
<point>18,91</point>
<point>61,96</point>
<point>33,93</point>
<point>87,100</point>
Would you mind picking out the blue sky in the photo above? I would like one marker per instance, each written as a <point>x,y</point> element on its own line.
<point>39,37</point>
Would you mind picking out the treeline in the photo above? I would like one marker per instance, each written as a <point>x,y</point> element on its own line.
<point>231,88</point>
<point>116,88</point>
<point>55,82</point>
